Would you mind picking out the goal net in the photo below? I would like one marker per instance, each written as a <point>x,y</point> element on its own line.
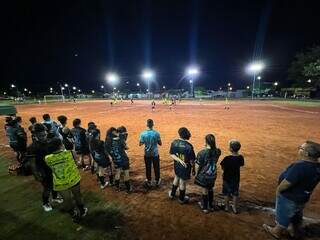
<point>53,98</point>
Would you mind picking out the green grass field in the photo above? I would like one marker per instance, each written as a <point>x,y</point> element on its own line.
<point>22,216</point>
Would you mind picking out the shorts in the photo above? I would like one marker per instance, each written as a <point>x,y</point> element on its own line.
<point>230,188</point>
<point>182,172</point>
<point>288,211</point>
<point>122,166</point>
<point>105,171</point>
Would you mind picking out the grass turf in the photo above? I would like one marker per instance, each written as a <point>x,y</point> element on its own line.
<point>22,216</point>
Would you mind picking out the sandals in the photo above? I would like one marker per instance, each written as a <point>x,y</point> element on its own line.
<point>268,229</point>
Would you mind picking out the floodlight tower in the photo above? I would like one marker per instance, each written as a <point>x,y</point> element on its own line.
<point>148,75</point>
<point>255,68</point>
<point>192,73</point>
<point>113,79</point>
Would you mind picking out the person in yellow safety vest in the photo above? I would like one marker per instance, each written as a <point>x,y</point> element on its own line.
<point>66,178</point>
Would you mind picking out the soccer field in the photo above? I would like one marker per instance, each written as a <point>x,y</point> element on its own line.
<point>269,132</point>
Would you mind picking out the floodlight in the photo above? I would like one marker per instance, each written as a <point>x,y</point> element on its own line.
<point>74,88</point>
<point>255,67</point>
<point>309,81</point>
<point>192,71</point>
<point>112,78</point>
<point>66,85</point>
<point>276,84</point>
<point>147,74</point>
<point>12,85</point>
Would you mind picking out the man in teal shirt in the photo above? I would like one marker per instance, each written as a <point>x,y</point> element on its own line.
<point>151,139</point>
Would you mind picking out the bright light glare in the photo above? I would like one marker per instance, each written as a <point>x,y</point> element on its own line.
<point>148,74</point>
<point>276,83</point>
<point>309,81</point>
<point>112,78</point>
<point>192,71</point>
<point>62,88</point>
<point>13,86</point>
<point>66,85</point>
<point>255,67</point>
<point>74,88</point>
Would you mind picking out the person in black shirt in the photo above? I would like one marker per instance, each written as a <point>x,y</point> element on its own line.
<point>33,121</point>
<point>81,144</point>
<point>65,132</point>
<point>35,154</point>
<point>231,175</point>
<point>116,147</point>
<point>206,171</point>
<point>183,155</point>
<point>101,158</point>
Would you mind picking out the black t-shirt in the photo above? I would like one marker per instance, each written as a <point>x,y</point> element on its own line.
<point>231,168</point>
<point>98,153</point>
<point>38,150</point>
<point>183,150</point>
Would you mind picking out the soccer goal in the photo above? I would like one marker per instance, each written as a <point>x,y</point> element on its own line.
<point>53,98</point>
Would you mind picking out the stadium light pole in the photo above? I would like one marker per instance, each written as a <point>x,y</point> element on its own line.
<point>148,75</point>
<point>67,86</point>
<point>192,72</point>
<point>138,85</point>
<point>113,79</point>
<point>255,68</point>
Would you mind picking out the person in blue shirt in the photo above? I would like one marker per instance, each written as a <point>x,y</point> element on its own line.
<point>151,139</point>
<point>295,187</point>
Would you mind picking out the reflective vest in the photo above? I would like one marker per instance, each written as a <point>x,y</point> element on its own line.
<point>64,170</point>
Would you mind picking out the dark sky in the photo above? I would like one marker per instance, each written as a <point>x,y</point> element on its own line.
<point>39,40</point>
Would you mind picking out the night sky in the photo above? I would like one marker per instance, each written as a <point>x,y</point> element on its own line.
<point>77,42</point>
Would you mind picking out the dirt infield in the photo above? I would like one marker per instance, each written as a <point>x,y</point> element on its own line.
<point>269,133</point>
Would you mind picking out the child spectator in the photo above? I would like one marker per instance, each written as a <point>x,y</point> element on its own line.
<point>81,143</point>
<point>183,155</point>
<point>231,175</point>
<point>65,132</point>
<point>101,158</point>
<point>116,147</point>
<point>206,172</point>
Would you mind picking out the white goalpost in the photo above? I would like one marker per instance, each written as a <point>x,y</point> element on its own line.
<point>53,98</point>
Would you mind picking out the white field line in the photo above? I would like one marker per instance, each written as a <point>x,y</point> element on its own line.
<point>292,109</point>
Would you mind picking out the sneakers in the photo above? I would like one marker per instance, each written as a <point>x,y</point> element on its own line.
<point>158,183</point>
<point>206,211</point>
<point>57,200</point>
<point>104,185</point>
<point>170,196</point>
<point>185,200</point>
<point>47,207</point>
<point>84,212</point>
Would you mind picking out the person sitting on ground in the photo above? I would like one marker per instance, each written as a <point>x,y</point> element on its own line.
<point>295,187</point>
<point>65,132</point>
<point>231,175</point>
<point>66,178</point>
<point>81,144</point>
<point>184,157</point>
<point>35,154</point>
<point>206,172</point>
<point>151,139</point>
<point>101,158</point>
<point>33,121</point>
<point>116,147</point>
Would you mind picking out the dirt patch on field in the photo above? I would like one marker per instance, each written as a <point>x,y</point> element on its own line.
<point>269,133</point>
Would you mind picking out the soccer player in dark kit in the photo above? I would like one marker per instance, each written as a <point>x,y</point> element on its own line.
<point>184,158</point>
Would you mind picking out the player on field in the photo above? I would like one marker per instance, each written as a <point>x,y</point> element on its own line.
<point>153,105</point>
<point>183,155</point>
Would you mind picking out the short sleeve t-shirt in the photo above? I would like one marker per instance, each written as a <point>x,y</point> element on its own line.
<point>80,138</point>
<point>231,168</point>
<point>183,150</point>
<point>150,139</point>
<point>304,177</point>
<point>118,153</point>
<point>99,155</point>
<point>203,157</point>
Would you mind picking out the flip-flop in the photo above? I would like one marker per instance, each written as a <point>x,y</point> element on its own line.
<point>267,228</point>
